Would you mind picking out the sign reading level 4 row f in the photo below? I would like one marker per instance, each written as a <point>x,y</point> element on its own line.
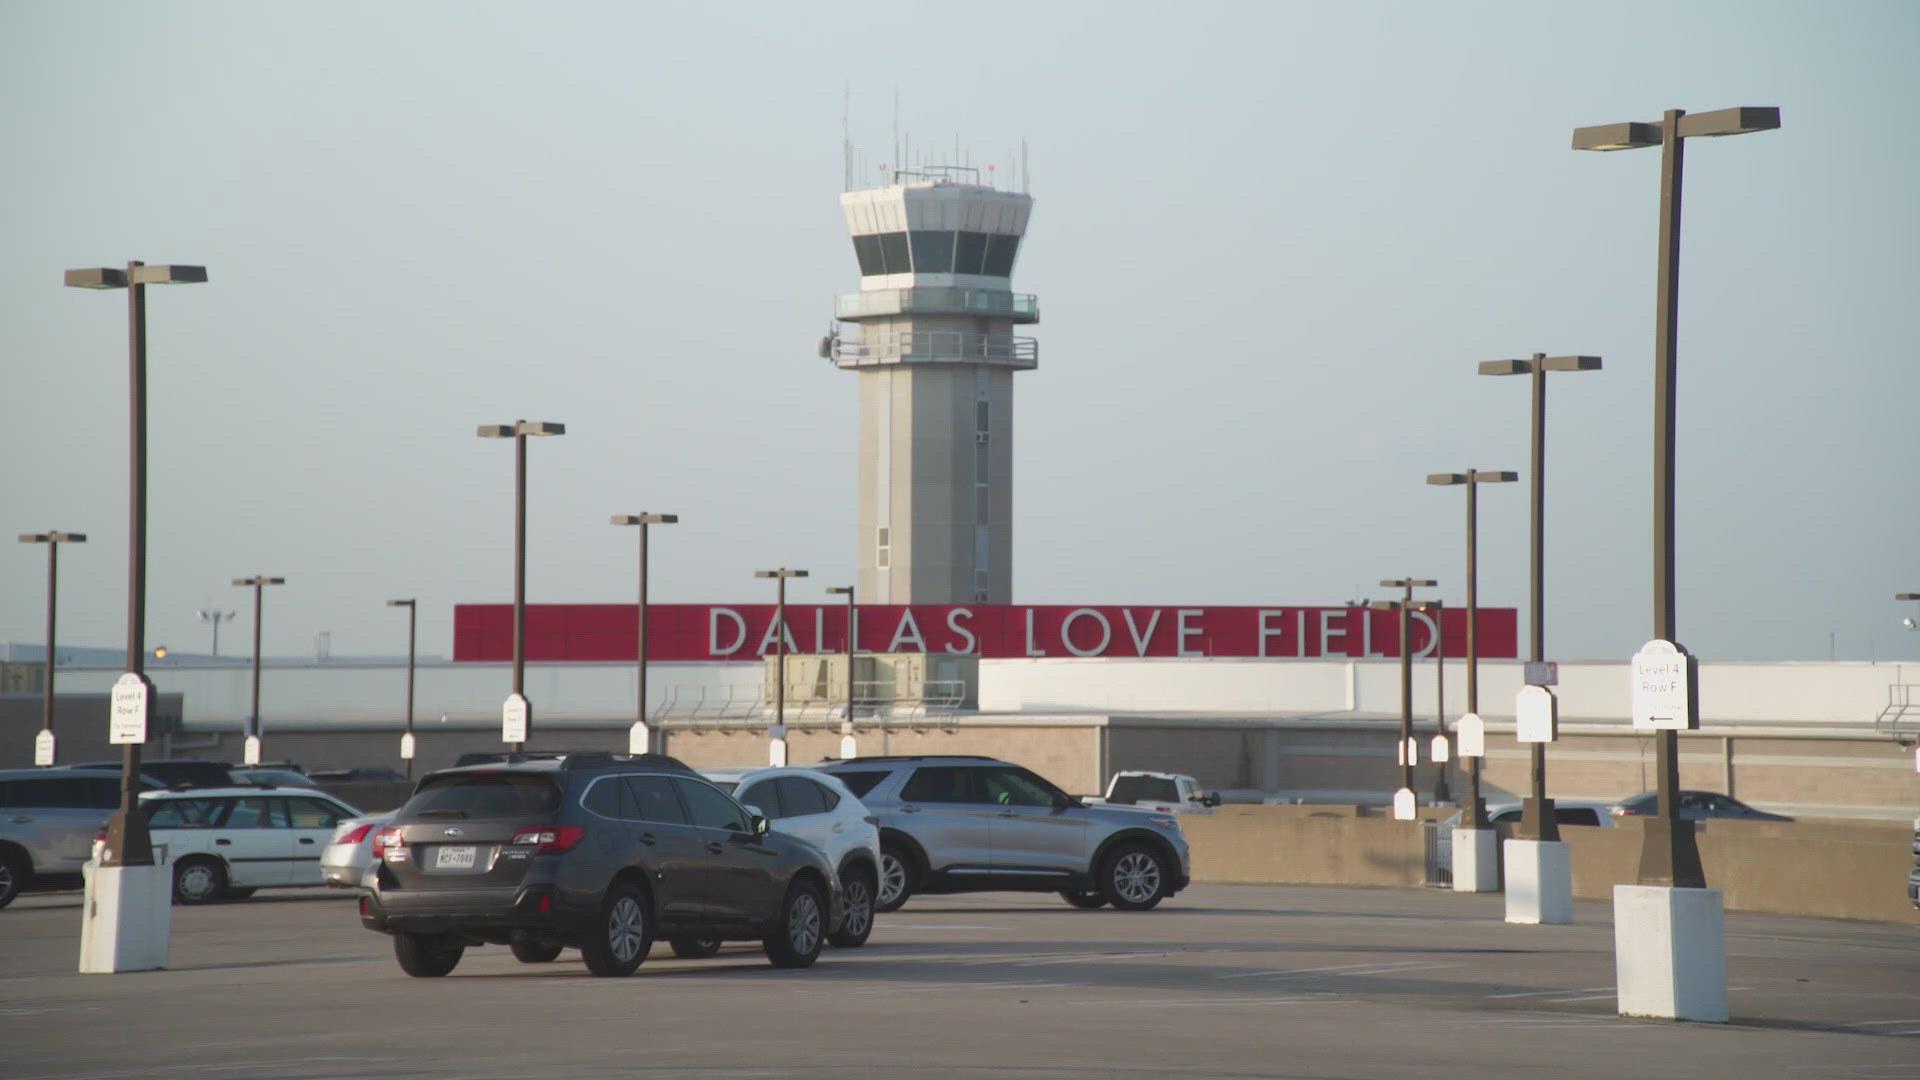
<point>127,723</point>
<point>513,719</point>
<point>1663,688</point>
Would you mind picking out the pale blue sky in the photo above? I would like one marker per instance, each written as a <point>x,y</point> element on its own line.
<point>1271,241</point>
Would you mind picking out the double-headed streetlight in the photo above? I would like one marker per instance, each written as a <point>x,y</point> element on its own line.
<point>128,842</point>
<point>216,617</point>
<point>43,753</point>
<point>640,735</point>
<point>1403,798</point>
<point>777,749</point>
<point>1476,807</point>
<point>516,716</point>
<point>406,740</point>
<point>251,752</point>
<point>1671,856</point>
<point>1537,821</point>
<point>853,638</point>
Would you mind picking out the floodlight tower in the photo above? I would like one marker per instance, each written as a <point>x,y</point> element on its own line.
<point>932,340</point>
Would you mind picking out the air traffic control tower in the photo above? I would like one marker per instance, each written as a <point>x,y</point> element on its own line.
<point>932,339</point>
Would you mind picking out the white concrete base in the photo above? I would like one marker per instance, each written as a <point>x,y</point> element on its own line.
<point>1539,881</point>
<point>1670,953</point>
<point>126,919</point>
<point>1476,860</point>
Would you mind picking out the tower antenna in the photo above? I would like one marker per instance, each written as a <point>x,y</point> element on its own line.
<point>896,126</point>
<point>846,135</point>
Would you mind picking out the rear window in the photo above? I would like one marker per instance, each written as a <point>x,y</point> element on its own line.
<point>1576,815</point>
<point>483,795</point>
<point>1133,789</point>
<point>861,782</point>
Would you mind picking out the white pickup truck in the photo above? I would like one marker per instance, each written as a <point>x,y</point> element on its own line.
<point>1158,792</point>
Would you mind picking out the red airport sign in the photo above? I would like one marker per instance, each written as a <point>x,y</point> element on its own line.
<point>678,633</point>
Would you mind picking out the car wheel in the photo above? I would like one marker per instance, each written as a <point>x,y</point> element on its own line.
<point>898,874</point>
<point>794,941</point>
<point>1134,878</point>
<point>1088,900</point>
<point>198,880</point>
<point>694,948</point>
<point>535,952</point>
<point>13,875</point>
<point>856,886</point>
<point>624,935</point>
<point>426,956</point>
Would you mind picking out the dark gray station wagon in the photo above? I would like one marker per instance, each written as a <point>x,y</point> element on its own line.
<point>600,852</point>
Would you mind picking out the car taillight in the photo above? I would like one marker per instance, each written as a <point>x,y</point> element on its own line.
<point>1622,811</point>
<point>389,844</point>
<point>553,838</point>
<point>345,835</point>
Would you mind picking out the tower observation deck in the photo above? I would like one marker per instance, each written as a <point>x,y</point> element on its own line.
<point>931,336</point>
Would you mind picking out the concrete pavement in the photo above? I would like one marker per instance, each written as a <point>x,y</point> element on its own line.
<point>1222,981</point>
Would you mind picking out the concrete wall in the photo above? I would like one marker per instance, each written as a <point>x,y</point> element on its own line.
<point>1846,871</point>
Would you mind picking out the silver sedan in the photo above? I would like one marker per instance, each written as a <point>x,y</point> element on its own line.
<point>350,853</point>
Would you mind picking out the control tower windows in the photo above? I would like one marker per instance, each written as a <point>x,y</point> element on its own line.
<point>936,251</point>
<point>932,251</point>
<point>1000,251</point>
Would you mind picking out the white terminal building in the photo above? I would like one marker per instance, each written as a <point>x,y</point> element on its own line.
<point>931,334</point>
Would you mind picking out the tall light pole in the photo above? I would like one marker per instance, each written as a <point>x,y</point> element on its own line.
<point>1476,807</point>
<point>1537,820</point>
<point>1439,754</point>
<point>128,841</point>
<point>215,617</point>
<point>640,736</point>
<point>1671,855</point>
<point>43,747</point>
<point>251,753</point>
<point>1671,917</point>
<point>777,751</point>
<point>516,716</point>
<point>847,745</point>
<point>1403,798</point>
<point>406,740</point>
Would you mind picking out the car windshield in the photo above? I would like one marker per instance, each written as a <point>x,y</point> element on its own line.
<point>484,795</point>
<point>1133,789</point>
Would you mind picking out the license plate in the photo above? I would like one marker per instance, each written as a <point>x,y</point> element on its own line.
<point>455,858</point>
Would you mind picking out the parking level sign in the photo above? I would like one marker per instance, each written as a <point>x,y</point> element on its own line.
<point>513,719</point>
<point>127,724</point>
<point>1663,688</point>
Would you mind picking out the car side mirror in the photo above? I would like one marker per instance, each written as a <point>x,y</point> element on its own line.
<point>758,824</point>
<point>1211,798</point>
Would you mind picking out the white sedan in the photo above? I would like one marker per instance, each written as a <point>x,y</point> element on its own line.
<point>226,842</point>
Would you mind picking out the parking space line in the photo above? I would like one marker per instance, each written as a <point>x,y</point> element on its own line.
<point>1880,1023</point>
<point>1580,997</point>
<point>1084,958</point>
<point>1557,990</point>
<point>1375,968</point>
<point>1168,1003</point>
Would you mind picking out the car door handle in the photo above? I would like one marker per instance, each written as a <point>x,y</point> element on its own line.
<point>909,809</point>
<point>21,819</point>
<point>222,840</point>
<point>647,838</point>
<point>713,846</point>
<point>306,839</point>
<point>1005,813</point>
<point>839,826</point>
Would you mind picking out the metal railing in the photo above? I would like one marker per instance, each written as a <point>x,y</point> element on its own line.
<point>1900,705</point>
<point>742,707</point>
<point>936,346</point>
<point>937,300</point>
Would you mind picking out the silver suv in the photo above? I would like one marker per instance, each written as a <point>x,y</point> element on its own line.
<point>47,821</point>
<point>976,824</point>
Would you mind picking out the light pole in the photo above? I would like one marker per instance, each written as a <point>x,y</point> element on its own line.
<point>516,716</point>
<point>1476,807</point>
<point>1537,820</point>
<point>1403,798</point>
<point>1671,855</point>
<point>43,752</point>
<point>128,842</point>
<point>406,740</point>
<point>777,750</point>
<point>847,746</point>
<point>251,753</point>
<point>640,736</point>
<point>216,618</point>
<point>1439,754</point>
<point>1671,906</point>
